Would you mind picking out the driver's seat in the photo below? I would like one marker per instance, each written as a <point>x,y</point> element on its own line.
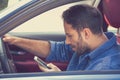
<point>111,12</point>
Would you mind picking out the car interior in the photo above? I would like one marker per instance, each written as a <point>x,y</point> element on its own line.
<point>22,61</point>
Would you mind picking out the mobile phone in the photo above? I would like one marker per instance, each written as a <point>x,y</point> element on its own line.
<point>41,62</point>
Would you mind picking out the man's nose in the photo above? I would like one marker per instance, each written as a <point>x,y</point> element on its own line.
<point>67,41</point>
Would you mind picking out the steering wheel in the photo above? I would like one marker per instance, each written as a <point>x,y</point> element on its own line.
<point>6,60</point>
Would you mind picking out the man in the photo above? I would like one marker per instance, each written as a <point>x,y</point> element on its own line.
<point>86,46</point>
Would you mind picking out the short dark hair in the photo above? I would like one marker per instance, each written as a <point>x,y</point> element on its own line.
<point>82,16</point>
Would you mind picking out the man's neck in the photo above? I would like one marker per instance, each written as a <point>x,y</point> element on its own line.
<point>98,41</point>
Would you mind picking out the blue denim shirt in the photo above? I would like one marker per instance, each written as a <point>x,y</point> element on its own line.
<point>105,57</point>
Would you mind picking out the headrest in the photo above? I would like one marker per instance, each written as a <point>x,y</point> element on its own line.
<point>111,9</point>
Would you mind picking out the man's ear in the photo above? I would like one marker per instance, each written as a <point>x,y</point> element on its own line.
<point>86,33</point>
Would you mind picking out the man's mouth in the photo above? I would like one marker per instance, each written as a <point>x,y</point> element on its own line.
<point>73,48</point>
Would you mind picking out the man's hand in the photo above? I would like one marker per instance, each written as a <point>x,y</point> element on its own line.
<point>9,39</point>
<point>52,66</point>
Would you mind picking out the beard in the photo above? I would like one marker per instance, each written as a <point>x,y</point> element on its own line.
<point>82,50</point>
<point>82,47</point>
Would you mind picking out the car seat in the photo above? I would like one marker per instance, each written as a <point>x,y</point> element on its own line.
<point>111,12</point>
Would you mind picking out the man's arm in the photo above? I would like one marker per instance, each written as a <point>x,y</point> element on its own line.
<point>37,47</point>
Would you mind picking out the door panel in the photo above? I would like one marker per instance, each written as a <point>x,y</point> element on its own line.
<point>23,60</point>
<point>42,36</point>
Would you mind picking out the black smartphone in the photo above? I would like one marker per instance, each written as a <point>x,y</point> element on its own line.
<point>41,62</point>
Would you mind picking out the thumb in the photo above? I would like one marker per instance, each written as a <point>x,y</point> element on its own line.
<point>52,66</point>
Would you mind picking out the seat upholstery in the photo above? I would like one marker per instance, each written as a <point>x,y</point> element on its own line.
<point>25,63</point>
<point>111,12</point>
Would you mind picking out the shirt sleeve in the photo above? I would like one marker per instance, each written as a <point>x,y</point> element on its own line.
<point>60,52</point>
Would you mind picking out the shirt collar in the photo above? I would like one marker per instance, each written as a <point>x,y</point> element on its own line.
<point>104,47</point>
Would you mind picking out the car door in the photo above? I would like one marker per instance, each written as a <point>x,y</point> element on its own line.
<point>23,18</point>
<point>46,26</point>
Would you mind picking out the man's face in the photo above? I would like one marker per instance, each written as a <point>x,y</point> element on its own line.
<point>75,40</point>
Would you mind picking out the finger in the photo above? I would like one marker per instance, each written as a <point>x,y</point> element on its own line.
<point>6,37</point>
<point>53,67</point>
<point>43,68</point>
<point>9,39</point>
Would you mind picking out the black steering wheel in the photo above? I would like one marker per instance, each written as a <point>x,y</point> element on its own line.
<point>6,60</point>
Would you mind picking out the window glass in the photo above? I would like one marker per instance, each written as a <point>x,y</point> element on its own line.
<point>7,6</point>
<point>50,21</point>
<point>3,4</point>
<point>112,29</point>
<point>10,3</point>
